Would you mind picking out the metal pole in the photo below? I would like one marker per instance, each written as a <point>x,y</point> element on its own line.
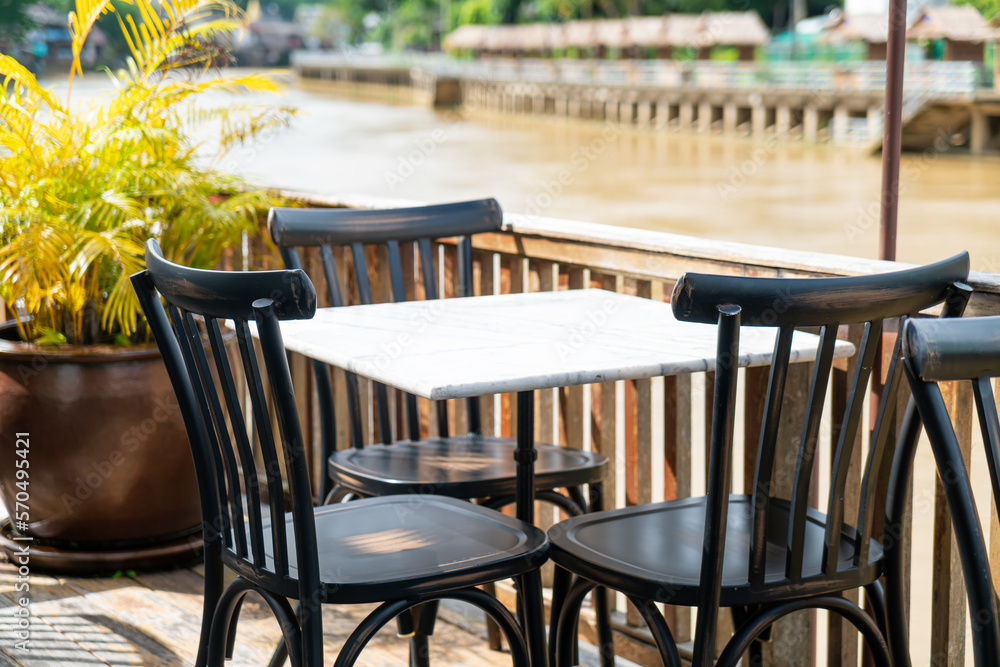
<point>892,140</point>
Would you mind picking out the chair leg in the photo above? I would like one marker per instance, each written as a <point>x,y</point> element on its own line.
<point>876,599</point>
<point>226,616</point>
<point>424,618</point>
<point>529,588</point>
<point>281,651</point>
<point>664,639</point>
<point>745,635</point>
<point>567,621</point>
<point>231,635</point>
<point>605,635</point>
<point>214,585</point>
<point>372,623</point>
<point>561,581</point>
<point>756,650</point>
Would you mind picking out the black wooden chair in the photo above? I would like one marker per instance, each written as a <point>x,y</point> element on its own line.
<point>403,551</point>
<point>934,351</point>
<point>760,555</point>
<point>471,466</point>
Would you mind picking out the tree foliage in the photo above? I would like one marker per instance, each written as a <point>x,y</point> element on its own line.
<point>82,186</point>
<point>14,20</point>
<point>988,8</point>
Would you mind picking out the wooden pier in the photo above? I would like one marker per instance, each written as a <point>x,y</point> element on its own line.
<point>811,102</point>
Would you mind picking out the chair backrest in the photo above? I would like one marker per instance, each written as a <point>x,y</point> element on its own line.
<point>817,303</point>
<point>966,350</point>
<point>211,406</point>
<point>356,229</point>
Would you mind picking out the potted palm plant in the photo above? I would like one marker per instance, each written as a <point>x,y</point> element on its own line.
<point>94,463</point>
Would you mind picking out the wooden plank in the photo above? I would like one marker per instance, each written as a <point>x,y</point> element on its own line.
<point>994,534</point>
<point>546,515</point>
<point>790,645</point>
<point>448,256</point>
<point>948,606</point>
<point>677,471</point>
<point>571,431</point>
<point>484,279</point>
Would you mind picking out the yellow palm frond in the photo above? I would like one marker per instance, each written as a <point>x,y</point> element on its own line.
<point>13,71</point>
<point>81,22</point>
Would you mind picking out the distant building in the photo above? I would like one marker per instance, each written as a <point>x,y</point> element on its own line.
<point>268,42</point>
<point>49,45</point>
<point>666,35</point>
<point>870,29</point>
<point>963,30</point>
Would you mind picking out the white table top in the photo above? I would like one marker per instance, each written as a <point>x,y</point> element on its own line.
<point>455,348</point>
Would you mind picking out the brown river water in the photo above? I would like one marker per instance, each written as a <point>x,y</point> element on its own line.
<point>769,192</point>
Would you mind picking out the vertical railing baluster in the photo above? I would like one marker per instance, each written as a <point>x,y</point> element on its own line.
<point>948,607</point>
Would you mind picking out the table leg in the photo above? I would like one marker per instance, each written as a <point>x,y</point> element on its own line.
<point>529,585</point>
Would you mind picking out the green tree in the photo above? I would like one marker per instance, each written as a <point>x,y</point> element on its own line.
<point>988,8</point>
<point>14,20</point>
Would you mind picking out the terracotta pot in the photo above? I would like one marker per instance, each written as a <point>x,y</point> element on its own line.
<point>110,464</point>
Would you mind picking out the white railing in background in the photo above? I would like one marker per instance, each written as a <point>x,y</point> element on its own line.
<point>942,79</point>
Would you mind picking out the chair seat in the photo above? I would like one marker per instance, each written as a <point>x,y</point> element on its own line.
<point>465,466</point>
<point>387,548</point>
<point>655,552</point>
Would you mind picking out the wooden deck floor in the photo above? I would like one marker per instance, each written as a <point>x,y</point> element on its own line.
<point>153,620</point>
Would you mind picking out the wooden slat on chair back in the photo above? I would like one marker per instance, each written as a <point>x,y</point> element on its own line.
<point>415,228</point>
<point>824,304</point>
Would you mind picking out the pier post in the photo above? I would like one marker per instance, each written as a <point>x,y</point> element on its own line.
<point>810,123</point>
<point>686,117</point>
<point>874,117</point>
<point>573,107</point>
<point>979,132</point>
<point>644,113</point>
<point>758,120</point>
<point>840,116</point>
<point>705,117</point>
<point>783,119</point>
<point>662,116</point>
<point>729,115</point>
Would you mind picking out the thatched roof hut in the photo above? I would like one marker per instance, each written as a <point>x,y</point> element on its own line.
<point>744,30</point>
<point>467,37</point>
<point>733,28</point>
<point>646,31</point>
<point>872,29</point>
<point>960,23</point>
<point>577,33</point>
<point>963,28</point>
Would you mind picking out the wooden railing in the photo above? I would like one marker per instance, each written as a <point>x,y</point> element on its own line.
<point>653,431</point>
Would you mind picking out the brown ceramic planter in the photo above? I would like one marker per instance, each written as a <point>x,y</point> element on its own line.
<point>110,465</point>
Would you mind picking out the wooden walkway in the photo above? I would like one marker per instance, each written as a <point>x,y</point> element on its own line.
<point>153,620</point>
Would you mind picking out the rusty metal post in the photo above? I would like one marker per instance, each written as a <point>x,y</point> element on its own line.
<point>892,140</point>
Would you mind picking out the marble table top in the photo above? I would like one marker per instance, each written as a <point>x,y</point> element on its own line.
<point>455,348</point>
